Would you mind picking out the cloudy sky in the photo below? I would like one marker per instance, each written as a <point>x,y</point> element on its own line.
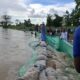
<point>37,10</point>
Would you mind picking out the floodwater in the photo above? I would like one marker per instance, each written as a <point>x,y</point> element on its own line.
<point>14,52</point>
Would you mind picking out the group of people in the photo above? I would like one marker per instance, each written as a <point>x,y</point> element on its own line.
<point>64,35</point>
<point>60,32</point>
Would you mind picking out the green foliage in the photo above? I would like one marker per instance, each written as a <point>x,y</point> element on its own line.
<point>57,22</point>
<point>6,21</point>
<point>68,19</point>
<point>75,15</point>
<point>25,26</point>
<point>27,23</point>
<point>78,3</point>
<point>49,20</point>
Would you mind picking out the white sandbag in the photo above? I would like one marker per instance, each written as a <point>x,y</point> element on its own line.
<point>41,64</point>
<point>42,51</point>
<point>59,72</point>
<point>52,78</point>
<point>44,48</point>
<point>62,78</point>
<point>43,43</point>
<point>46,53</point>
<point>50,54</point>
<point>41,57</point>
<point>43,76</point>
<point>59,78</point>
<point>32,74</point>
<point>50,71</point>
<point>71,77</point>
<point>65,78</point>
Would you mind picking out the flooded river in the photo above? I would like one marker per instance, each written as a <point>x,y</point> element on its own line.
<point>14,51</point>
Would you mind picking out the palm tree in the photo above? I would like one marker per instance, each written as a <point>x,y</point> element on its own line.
<point>6,20</point>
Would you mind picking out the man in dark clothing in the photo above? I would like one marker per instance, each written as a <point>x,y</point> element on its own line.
<point>43,32</point>
<point>76,48</point>
<point>36,29</point>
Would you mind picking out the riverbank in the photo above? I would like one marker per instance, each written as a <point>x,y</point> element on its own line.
<point>20,27</point>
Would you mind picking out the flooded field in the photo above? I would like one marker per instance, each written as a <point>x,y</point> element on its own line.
<point>14,51</point>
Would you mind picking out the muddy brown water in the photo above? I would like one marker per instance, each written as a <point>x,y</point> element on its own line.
<point>14,52</point>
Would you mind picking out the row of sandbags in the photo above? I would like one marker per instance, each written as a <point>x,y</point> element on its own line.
<point>51,66</point>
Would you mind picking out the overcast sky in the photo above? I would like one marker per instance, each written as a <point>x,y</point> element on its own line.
<point>37,10</point>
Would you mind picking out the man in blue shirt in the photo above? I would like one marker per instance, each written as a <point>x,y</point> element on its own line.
<point>76,48</point>
<point>43,32</point>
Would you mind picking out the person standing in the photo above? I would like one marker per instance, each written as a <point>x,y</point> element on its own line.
<point>36,30</point>
<point>76,48</point>
<point>43,32</point>
<point>62,34</point>
<point>66,35</point>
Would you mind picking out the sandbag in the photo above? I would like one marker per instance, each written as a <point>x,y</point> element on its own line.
<point>71,77</point>
<point>41,57</point>
<point>51,63</point>
<point>46,53</point>
<point>40,65</point>
<point>52,78</point>
<point>50,54</point>
<point>59,72</point>
<point>43,76</point>
<point>63,78</point>
<point>43,44</point>
<point>50,71</point>
<point>31,74</point>
<point>58,64</point>
<point>42,51</point>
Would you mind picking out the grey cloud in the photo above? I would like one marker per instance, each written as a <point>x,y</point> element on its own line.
<point>11,5</point>
<point>37,16</point>
<point>52,11</point>
<point>20,9</point>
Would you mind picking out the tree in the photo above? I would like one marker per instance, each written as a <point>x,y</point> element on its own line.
<point>75,15</point>
<point>78,3</point>
<point>57,22</point>
<point>49,21</point>
<point>6,21</point>
<point>17,21</point>
<point>27,23</point>
<point>68,19</point>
